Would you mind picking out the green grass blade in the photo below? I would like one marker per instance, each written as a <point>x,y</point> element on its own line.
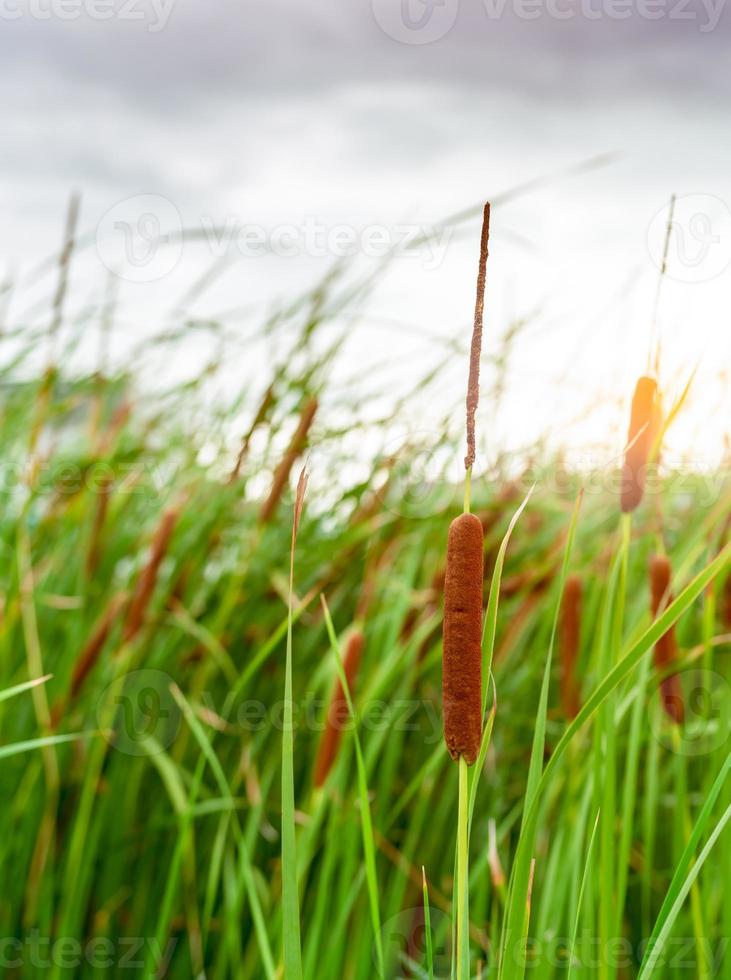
<point>365,807</point>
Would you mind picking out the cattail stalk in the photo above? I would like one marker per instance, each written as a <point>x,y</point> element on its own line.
<point>337,713</point>
<point>148,576</point>
<point>571,645</point>
<point>90,653</point>
<point>462,630</point>
<point>643,429</point>
<point>294,451</point>
<point>666,648</point>
<point>260,417</point>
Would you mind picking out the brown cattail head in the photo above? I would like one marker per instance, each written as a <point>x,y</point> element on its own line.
<point>90,653</point>
<point>666,648</point>
<point>294,451</point>
<point>642,432</point>
<point>571,645</point>
<point>462,654</point>
<point>148,576</point>
<point>337,712</point>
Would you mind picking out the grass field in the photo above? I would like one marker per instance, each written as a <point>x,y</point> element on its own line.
<point>148,788</point>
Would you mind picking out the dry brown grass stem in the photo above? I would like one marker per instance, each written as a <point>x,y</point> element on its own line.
<point>260,417</point>
<point>295,449</point>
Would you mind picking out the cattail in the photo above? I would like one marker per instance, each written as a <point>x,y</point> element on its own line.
<point>643,428</point>
<point>260,417</point>
<point>294,450</point>
<point>462,660</point>
<point>570,645</point>
<point>93,555</point>
<point>90,653</point>
<point>148,576</point>
<point>727,603</point>
<point>337,712</point>
<point>464,571</point>
<point>666,648</point>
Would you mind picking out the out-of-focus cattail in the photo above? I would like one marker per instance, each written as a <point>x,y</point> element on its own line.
<point>337,712</point>
<point>93,555</point>
<point>89,656</point>
<point>726,603</point>
<point>260,417</point>
<point>643,429</point>
<point>294,451</point>
<point>666,648</point>
<point>148,576</point>
<point>571,645</point>
<point>462,660</point>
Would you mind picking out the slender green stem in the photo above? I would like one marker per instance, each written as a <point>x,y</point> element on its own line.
<point>463,955</point>
<point>468,490</point>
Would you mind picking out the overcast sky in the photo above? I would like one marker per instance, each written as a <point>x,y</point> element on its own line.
<point>329,126</point>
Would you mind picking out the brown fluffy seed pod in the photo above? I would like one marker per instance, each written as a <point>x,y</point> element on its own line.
<point>462,654</point>
<point>337,712</point>
<point>666,648</point>
<point>294,451</point>
<point>571,645</point>
<point>642,433</point>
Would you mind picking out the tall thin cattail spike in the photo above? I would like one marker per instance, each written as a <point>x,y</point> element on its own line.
<point>64,262</point>
<point>473,384</point>
<point>653,353</point>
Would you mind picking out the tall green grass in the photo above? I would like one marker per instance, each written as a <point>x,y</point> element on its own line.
<point>168,819</point>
